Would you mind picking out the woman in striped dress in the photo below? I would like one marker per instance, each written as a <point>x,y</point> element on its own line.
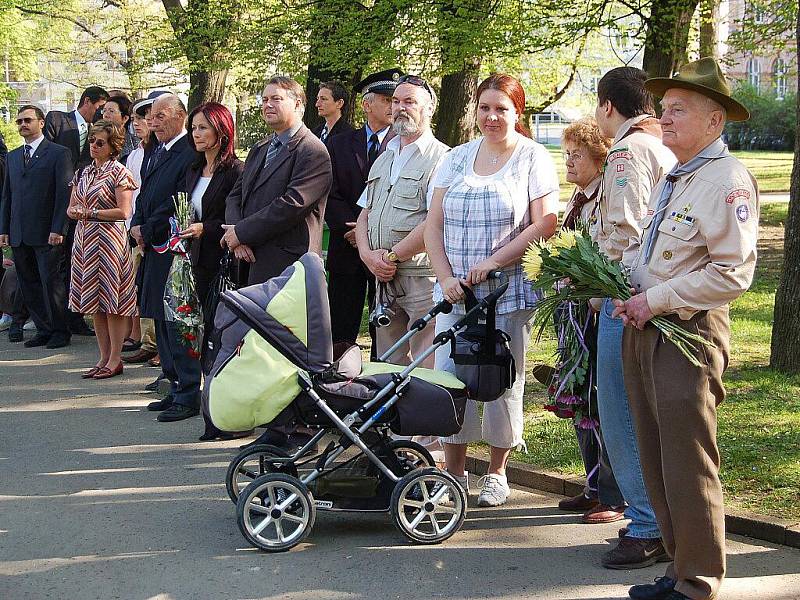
<point>102,277</point>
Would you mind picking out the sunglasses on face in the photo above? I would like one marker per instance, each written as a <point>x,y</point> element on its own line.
<point>96,142</point>
<point>417,81</point>
<point>26,120</point>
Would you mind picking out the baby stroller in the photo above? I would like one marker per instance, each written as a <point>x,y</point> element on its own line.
<point>273,363</point>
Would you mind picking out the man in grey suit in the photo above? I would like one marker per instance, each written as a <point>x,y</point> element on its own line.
<point>275,211</point>
<point>33,221</point>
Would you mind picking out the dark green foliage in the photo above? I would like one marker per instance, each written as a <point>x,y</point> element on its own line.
<point>772,124</point>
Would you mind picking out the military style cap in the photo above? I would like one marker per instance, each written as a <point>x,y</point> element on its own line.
<point>139,107</point>
<point>383,82</point>
<point>704,77</point>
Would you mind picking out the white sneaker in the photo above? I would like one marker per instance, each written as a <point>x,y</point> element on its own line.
<point>494,490</point>
<point>5,322</point>
<point>29,326</point>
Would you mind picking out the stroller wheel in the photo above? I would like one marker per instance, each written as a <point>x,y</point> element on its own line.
<point>275,512</point>
<point>411,455</point>
<point>251,463</point>
<point>428,505</point>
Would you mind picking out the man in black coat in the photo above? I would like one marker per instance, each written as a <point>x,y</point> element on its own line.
<point>352,154</point>
<point>150,227</point>
<point>33,221</point>
<point>71,130</point>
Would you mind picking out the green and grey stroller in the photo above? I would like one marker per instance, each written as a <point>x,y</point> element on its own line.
<point>273,364</point>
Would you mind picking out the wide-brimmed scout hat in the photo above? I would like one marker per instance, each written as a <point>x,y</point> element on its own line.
<point>704,77</point>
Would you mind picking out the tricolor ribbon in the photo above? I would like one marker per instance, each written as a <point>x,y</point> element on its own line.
<point>174,243</point>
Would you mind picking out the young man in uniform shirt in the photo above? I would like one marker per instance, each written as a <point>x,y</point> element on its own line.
<point>697,254</point>
<point>636,161</point>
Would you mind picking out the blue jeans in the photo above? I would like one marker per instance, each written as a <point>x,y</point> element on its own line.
<point>618,431</point>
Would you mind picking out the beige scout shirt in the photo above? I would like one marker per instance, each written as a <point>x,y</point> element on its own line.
<point>635,162</point>
<point>705,253</point>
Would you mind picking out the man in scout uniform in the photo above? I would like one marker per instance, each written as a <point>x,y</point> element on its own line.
<point>636,161</point>
<point>697,254</point>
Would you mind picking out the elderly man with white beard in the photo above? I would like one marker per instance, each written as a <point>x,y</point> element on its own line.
<point>389,231</point>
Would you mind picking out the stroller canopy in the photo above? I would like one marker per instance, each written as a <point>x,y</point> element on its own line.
<point>254,376</point>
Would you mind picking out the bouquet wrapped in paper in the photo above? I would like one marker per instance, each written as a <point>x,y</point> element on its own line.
<point>181,303</point>
<point>571,267</point>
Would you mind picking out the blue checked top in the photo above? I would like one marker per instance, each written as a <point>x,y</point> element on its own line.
<point>484,213</point>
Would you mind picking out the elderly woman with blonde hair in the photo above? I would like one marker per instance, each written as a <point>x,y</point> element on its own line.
<point>585,150</point>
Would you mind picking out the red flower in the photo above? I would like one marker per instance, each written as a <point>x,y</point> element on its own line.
<point>184,309</point>
<point>551,390</point>
<point>189,336</point>
<point>193,353</point>
<point>550,407</point>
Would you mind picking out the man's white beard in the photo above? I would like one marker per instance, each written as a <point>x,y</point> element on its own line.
<point>404,126</point>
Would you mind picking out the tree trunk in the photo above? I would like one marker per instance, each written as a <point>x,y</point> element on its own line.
<point>206,86</point>
<point>667,36</point>
<point>785,351</point>
<point>709,28</point>
<point>454,121</point>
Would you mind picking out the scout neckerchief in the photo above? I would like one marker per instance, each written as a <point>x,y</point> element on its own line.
<point>716,149</point>
<point>578,201</point>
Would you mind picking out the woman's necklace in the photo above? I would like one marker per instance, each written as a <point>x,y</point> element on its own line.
<point>496,158</point>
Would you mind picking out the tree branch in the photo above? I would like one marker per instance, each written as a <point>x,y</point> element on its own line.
<point>31,11</point>
<point>573,70</point>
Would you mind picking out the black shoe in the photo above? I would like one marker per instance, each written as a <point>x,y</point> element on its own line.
<point>153,385</point>
<point>58,340</point>
<point>162,404</point>
<point>15,333</point>
<point>216,434</point>
<point>659,590</point>
<point>178,412</point>
<point>40,339</point>
<point>81,328</point>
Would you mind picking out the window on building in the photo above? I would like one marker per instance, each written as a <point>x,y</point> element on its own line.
<point>779,77</point>
<point>754,72</point>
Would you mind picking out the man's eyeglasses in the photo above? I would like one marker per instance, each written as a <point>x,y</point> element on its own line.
<point>26,120</point>
<point>96,142</point>
<point>418,81</point>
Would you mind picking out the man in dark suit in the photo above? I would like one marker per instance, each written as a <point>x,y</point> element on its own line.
<point>33,221</point>
<point>71,130</point>
<point>150,227</point>
<point>352,155</point>
<point>331,100</point>
<point>275,210</point>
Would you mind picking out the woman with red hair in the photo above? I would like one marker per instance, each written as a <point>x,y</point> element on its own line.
<point>208,182</point>
<point>492,197</point>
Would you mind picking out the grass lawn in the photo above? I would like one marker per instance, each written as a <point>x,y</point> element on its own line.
<point>772,170</point>
<point>759,422</point>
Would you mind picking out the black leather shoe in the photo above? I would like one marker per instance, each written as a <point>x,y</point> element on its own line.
<point>271,438</point>
<point>81,328</point>
<point>15,333</point>
<point>153,385</point>
<point>40,339</point>
<point>162,404</point>
<point>676,595</point>
<point>58,340</point>
<point>660,590</point>
<point>178,412</point>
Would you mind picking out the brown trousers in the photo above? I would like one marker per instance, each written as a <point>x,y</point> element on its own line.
<point>674,409</point>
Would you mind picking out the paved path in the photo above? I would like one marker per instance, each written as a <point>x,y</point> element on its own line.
<point>98,500</point>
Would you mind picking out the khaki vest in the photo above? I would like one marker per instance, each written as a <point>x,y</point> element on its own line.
<point>395,210</point>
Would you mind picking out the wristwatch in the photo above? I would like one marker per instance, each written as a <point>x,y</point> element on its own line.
<point>94,213</point>
<point>392,256</point>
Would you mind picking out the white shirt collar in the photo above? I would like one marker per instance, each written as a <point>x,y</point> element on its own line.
<point>421,143</point>
<point>172,142</point>
<point>79,118</point>
<point>34,144</point>
<point>592,187</point>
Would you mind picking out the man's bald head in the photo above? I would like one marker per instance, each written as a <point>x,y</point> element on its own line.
<point>168,117</point>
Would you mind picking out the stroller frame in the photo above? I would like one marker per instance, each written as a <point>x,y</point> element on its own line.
<point>279,493</point>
